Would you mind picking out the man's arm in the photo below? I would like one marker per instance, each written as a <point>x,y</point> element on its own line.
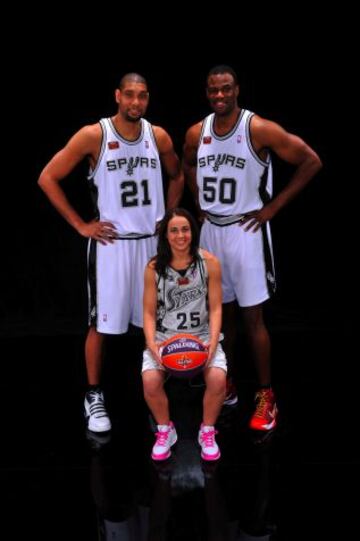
<point>85,143</point>
<point>150,305</point>
<point>190,160</point>
<point>171,164</point>
<point>215,301</point>
<point>290,148</point>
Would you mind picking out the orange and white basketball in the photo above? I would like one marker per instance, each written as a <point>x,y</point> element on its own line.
<point>184,355</point>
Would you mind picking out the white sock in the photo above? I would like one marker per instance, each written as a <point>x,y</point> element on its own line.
<point>163,428</point>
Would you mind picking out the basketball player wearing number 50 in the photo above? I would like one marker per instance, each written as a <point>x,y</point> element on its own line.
<point>124,154</point>
<point>228,167</point>
<point>182,295</point>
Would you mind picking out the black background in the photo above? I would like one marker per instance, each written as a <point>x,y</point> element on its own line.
<point>59,74</point>
<point>63,78</point>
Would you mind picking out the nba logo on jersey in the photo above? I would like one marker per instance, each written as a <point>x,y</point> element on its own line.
<point>146,144</point>
<point>207,140</point>
<point>104,318</point>
<point>238,139</point>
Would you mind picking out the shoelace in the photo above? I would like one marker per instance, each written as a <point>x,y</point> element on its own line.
<point>263,403</point>
<point>161,438</point>
<point>97,407</point>
<point>208,438</point>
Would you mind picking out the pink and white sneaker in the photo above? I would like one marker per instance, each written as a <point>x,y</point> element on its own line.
<point>165,438</point>
<point>209,448</point>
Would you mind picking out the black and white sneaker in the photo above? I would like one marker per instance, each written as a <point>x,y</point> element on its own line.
<point>231,397</point>
<point>95,412</point>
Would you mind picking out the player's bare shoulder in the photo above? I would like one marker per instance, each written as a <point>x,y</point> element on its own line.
<point>87,141</point>
<point>92,134</point>
<point>192,136</point>
<point>159,131</point>
<point>151,265</point>
<point>192,140</point>
<point>163,139</point>
<point>211,260</point>
<point>265,134</point>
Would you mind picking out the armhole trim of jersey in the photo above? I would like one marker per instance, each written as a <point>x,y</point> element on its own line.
<point>204,273</point>
<point>92,172</point>
<point>204,123</point>
<point>152,136</point>
<point>249,143</point>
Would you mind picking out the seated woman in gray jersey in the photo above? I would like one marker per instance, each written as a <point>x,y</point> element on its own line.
<point>180,264</point>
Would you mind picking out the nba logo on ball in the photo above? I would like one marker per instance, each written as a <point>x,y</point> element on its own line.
<point>184,355</point>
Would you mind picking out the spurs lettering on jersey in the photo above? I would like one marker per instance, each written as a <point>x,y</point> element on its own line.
<point>130,164</point>
<point>222,159</point>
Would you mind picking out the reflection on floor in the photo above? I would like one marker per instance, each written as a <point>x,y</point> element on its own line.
<point>60,481</point>
<point>184,498</point>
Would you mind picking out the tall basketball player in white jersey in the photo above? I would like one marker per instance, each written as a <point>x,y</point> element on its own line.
<point>228,166</point>
<point>125,154</point>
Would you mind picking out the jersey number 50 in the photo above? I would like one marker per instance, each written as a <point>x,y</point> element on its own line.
<point>223,190</point>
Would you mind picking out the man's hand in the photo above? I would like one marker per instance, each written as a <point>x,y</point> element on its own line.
<point>104,232</point>
<point>255,218</point>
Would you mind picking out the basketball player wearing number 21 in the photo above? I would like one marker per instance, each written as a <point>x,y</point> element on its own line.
<point>182,294</point>
<point>125,154</point>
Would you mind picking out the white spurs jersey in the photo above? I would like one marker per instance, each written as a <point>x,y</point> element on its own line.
<point>127,181</point>
<point>232,179</point>
<point>182,303</point>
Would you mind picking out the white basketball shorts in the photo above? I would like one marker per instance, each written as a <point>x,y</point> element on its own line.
<point>246,258</point>
<point>116,283</point>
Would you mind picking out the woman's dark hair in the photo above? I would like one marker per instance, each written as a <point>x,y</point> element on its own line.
<point>164,255</point>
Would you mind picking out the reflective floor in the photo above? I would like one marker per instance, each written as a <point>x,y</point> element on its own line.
<point>59,481</point>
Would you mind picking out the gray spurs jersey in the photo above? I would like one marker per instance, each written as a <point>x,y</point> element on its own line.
<point>182,300</point>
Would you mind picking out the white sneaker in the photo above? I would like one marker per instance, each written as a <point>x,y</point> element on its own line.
<point>165,438</point>
<point>95,412</point>
<point>209,448</point>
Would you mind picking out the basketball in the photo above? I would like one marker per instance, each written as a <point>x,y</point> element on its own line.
<point>184,355</point>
